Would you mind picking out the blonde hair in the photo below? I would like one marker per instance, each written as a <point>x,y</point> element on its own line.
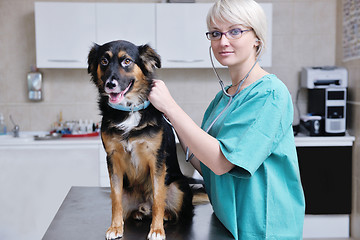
<point>244,12</point>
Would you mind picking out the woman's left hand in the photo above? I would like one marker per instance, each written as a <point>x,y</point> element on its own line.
<point>160,96</point>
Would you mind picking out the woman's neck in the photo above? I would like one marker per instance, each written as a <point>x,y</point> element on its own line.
<point>239,73</point>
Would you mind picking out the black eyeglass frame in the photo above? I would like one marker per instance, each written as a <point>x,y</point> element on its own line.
<point>208,34</point>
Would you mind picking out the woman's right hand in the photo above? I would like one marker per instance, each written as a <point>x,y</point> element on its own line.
<point>160,96</point>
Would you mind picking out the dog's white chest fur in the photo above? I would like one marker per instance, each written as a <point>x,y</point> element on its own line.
<point>130,122</point>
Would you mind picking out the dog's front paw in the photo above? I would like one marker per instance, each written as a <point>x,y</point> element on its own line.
<point>156,234</point>
<point>114,233</point>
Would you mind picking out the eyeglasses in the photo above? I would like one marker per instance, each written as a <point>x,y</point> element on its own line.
<point>231,34</point>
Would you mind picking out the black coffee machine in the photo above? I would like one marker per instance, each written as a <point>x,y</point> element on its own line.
<point>326,106</point>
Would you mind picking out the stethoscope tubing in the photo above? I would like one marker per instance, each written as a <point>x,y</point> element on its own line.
<point>231,96</point>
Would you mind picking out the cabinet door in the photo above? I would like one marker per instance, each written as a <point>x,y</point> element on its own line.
<point>125,21</point>
<point>326,179</point>
<point>34,181</point>
<point>64,34</point>
<point>180,35</point>
<point>181,39</point>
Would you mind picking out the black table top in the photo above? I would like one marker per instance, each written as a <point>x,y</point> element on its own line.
<point>86,214</point>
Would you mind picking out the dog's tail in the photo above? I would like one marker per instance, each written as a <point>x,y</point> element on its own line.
<point>200,196</point>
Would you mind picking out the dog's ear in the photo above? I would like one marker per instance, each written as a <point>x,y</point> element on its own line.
<point>92,63</point>
<point>149,58</point>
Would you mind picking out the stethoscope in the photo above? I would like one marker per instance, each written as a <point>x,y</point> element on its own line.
<point>231,96</point>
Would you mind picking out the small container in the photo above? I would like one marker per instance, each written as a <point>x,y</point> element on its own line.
<point>34,80</point>
<point>2,125</point>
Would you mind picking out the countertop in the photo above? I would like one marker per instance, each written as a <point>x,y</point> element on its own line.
<point>302,140</point>
<point>27,138</point>
<point>86,214</point>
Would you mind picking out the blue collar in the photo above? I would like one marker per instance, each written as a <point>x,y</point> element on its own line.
<point>130,109</point>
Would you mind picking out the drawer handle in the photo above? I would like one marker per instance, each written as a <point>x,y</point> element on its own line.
<point>186,61</point>
<point>63,60</point>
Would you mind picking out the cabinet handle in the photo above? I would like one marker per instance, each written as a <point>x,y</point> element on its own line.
<point>185,61</point>
<point>63,60</point>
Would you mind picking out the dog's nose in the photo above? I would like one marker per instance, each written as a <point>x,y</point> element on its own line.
<point>111,84</point>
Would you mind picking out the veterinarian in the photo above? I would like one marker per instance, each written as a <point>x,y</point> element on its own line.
<point>248,157</point>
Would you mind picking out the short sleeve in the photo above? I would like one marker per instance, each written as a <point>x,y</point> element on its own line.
<point>249,135</point>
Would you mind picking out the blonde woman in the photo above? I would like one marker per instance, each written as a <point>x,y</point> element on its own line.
<point>248,157</point>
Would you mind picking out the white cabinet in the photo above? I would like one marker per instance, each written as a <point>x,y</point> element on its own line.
<point>35,178</point>
<point>118,21</point>
<point>64,33</point>
<point>266,56</point>
<point>181,40</point>
<point>180,35</point>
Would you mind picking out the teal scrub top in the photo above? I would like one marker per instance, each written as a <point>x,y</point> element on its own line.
<point>262,196</point>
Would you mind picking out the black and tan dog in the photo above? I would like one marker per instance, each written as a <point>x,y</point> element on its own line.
<point>141,154</point>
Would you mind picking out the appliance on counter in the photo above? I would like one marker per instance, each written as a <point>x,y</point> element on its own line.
<point>314,125</point>
<point>326,106</point>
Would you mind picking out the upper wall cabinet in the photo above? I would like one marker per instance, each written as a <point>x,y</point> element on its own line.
<point>64,34</point>
<point>181,39</point>
<point>116,21</point>
<point>65,31</point>
<point>180,35</point>
<point>265,60</point>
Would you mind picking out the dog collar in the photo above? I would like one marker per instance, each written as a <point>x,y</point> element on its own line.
<point>130,109</point>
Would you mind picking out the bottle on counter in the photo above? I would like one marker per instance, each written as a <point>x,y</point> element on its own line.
<point>2,125</point>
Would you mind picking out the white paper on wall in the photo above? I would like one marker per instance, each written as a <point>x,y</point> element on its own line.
<point>351,30</point>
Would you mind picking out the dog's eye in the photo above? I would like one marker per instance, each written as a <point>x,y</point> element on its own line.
<point>126,62</point>
<point>104,62</point>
